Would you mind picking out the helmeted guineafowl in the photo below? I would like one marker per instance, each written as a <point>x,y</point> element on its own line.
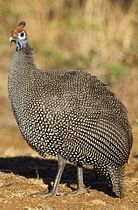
<point>71,115</point>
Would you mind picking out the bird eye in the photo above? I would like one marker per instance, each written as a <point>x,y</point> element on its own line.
<point>21,35</point>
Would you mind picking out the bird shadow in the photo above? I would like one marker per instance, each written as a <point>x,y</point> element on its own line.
<point>46,169</point>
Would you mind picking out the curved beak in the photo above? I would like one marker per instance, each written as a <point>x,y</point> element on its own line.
<point>11,39</point>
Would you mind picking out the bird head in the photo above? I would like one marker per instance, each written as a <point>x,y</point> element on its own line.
<point>19,36</point>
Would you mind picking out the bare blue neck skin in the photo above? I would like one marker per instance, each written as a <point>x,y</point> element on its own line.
<point>21,44</point>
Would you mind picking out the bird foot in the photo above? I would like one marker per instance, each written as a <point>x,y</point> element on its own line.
<point>78,191</point>
<point>45,194</point>
<point>53,193</point>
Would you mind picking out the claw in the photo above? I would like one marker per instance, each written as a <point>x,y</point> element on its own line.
<point>44,194</point>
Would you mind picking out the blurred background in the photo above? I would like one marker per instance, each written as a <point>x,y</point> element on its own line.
<point>100,37</point>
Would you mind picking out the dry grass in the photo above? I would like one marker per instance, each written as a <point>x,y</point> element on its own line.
<point>88,34</point>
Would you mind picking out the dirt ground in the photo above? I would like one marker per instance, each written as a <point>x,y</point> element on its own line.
<point>23,172</point>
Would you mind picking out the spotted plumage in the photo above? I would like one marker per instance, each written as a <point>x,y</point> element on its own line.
<point>70,114</point>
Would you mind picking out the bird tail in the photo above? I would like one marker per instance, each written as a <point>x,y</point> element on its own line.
<point>117,180</point>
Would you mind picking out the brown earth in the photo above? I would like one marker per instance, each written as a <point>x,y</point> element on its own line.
<point>23,172</point>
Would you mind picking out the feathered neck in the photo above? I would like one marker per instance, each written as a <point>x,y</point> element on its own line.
<point>24,57</point>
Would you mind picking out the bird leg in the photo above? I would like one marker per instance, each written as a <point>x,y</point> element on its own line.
<point>53,191</point>
<point>61,165</point>
<point>81,187</point>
